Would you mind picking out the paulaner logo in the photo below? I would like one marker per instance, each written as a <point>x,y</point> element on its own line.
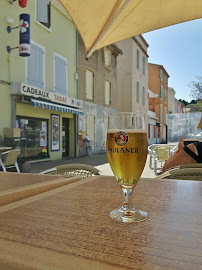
<point>121,138</point>
<point>131,150</point>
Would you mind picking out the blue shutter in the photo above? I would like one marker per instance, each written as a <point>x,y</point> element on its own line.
<point>42,11</point>
<point>35,67</point>
<point>60,75</point>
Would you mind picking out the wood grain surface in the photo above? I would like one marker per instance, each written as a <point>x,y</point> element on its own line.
<point>18,186</point>
<point>70,228</point>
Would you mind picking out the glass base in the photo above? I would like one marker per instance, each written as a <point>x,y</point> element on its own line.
<point>128,216</point>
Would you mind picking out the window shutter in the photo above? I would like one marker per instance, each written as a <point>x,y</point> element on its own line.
<point>42,11</point>
<point>60,75</point>
<point>143,95</point>
<point>107,93</point>
<point>89,84</point>
<point>35,67</point>
<point>137,92</point>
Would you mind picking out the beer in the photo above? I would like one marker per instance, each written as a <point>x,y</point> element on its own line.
<point>127,153</point>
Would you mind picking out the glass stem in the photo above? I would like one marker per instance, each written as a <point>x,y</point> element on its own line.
<point>128,205</point>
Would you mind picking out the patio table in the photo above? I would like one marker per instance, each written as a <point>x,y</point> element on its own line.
<point>5,148</point>
<point>70,228</point>
<point>18,186</point>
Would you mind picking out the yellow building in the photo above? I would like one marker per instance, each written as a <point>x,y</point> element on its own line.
<point>38,94</point>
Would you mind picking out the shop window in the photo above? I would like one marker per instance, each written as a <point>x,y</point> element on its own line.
<point>34,138</point>
<point>43,12</point>
<point>60,71</point>
<point>35,66</point>
<point>107,93</point>
<point>89,85</point>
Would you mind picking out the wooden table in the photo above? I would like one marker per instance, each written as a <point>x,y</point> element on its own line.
<point>5,148</point>
<point>18,186</point>
<point>69,228</point>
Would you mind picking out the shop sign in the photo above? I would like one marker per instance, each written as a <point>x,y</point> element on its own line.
<point>36,92</point>
<point>24,48</point>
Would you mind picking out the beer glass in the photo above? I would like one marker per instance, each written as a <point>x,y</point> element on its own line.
<point>127,152</point>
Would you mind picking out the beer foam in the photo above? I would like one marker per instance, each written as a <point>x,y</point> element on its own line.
<point>127,130</point>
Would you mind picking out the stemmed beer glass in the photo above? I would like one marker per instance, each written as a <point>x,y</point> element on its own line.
<point>127,152</point>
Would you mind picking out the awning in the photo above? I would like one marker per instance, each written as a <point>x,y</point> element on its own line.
<point>101,23</point>
<point>152,95</point>
<point>53,106</point>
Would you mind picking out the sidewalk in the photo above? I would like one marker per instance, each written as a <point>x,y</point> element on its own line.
<point>99,161</point>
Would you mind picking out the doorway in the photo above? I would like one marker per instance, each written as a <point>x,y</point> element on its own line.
<point>65,137</point>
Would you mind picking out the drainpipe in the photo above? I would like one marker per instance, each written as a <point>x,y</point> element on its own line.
<point>77,90</point>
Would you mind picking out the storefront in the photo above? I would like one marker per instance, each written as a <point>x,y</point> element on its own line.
<point>47,120</point>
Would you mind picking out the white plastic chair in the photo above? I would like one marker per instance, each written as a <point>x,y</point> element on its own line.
<point>9,160</point>
<point>162,153</point>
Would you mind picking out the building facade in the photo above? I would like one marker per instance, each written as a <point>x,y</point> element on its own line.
<point>39,92</point>
<point>153,121</point>
<point>158,84</point>
<point>171,100</point>
<point>132,74</point>
<point>98,91</point>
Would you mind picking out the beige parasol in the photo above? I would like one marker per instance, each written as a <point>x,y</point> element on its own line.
<point>200,124</point>
<point>103,22</point>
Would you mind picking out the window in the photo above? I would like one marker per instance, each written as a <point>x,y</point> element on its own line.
<point>107,58</point>
<point>60,72</point>
<point>34,137</point>
<point>161,92</point>
<point>89,85</point>
<point>166,95</point>
<point>43,12</point>
<point>161,112</point>
<point>138,92</point>
<point>35,66</point>
<point>143,65</point>
<point>138,59</point>
<point>166,80</point>
<point>143,95</point>
<point>161,74</point>
<point>165,113</point>
<point>107,93</point>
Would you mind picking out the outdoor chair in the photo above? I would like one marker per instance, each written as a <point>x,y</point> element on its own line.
<point>152,152</point>
<point>9,160</point>
<point>162,153</point>
<point>70,170</point>
<point>184,172</point>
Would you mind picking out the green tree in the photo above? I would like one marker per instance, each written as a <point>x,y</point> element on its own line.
<point>196,88</point>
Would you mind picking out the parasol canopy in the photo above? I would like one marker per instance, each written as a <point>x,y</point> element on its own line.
<point>200,124</point>
<point>103,22</point>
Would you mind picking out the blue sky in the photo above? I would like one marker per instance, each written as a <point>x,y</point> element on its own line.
<point>179,49</point>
